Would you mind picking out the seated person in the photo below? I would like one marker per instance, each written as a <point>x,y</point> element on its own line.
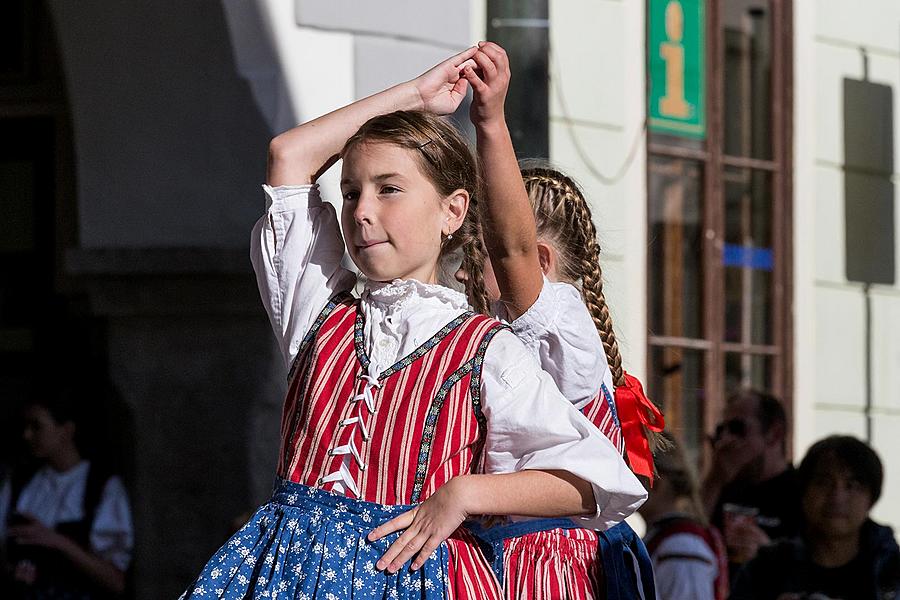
<point>688,554</point>
<point>750,490</point>
<point>65,522</point>
<point>841,553</point>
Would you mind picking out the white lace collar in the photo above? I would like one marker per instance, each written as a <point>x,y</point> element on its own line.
<point>400,292</point>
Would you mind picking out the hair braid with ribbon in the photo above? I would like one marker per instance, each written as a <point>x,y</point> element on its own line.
<point>563,219</point>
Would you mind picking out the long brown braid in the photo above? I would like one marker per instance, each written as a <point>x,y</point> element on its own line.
<point>563,218</point>
<point>447,161</point>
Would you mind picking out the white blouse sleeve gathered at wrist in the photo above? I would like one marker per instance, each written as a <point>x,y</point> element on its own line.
<point>532,426</point>
<point>296,249</point>
<point>559,332</point>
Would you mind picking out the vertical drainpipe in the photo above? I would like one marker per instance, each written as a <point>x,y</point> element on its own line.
<point>522,27</point>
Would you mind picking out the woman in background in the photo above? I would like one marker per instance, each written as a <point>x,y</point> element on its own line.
<point>688,554</point>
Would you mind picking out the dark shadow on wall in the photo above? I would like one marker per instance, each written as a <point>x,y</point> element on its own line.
<point>169,151</point>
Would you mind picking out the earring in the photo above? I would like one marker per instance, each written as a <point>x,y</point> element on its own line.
<point>449,236</point>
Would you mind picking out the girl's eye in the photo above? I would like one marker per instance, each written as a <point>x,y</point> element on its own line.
<point>389,189</point>
<point>351,196</point>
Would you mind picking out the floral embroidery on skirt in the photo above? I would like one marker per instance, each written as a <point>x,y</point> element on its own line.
<point>308,544</point>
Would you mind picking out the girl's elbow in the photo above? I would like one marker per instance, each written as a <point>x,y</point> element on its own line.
<point>279,149</point>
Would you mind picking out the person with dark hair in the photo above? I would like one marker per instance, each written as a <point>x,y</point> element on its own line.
<point>688,554</point>
<point>750,490</point>
<point>841,552</point>
<point>66,522</point>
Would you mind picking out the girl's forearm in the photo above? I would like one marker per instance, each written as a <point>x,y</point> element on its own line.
<point>101,571</point>
<point>529,493</point>
<point>300,155</point>
<point>509,228</point>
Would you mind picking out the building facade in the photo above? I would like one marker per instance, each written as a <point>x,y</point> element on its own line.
<point>738,156</point>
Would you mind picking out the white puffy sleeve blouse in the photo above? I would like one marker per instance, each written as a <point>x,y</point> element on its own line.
<point>296,251</point>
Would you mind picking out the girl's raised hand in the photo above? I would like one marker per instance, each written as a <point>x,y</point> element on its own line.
<point>442,87</point>
<point>426,527</point>
<point>490,82</point>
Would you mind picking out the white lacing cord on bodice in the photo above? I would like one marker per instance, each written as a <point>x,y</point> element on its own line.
<point>342,478</point>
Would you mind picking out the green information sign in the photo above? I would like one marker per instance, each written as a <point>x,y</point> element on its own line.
<point>675,50</point>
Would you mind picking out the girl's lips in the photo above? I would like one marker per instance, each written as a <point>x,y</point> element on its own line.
<point>365,245</point>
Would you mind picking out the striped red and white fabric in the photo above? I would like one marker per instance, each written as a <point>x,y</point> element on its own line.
<point>395,439</point>
<point>560,564</point>
<point>601,411</point>
<point>426,426</point>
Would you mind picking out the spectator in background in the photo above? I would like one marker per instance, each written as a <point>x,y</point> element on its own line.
<point>750,491</point>
<point>841,553</point>
<point>66,521</point>
<point>688,554</point>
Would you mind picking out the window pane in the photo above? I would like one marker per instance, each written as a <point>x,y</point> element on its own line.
<point>747,77</point>
<point>674,140</point>
<point>676,222</point>
<point>748,256</point>
<point>748,370</point>
<point>677,386</point>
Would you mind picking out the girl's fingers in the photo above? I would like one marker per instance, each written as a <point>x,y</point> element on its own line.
<point>427,550</point>
<point>458,60</point>
<point>475,81</point>
<point>468,63</point>
<point>487,66</point>
<point>389,557</point>
<point>459,88</point>
<point>495,53</point>
<point>396,524</point>
<point>407,551</point>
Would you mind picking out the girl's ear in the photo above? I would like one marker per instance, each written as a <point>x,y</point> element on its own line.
<point>456,206</point>
<point>547,258</point>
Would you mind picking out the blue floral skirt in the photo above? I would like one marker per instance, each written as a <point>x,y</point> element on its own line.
<point>309,544</point>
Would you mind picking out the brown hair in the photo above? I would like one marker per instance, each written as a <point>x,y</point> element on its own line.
<point>672,465</point>
<point>563,218</point>
<point>446,160</point>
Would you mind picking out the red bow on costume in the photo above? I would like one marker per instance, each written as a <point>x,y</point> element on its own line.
<point>636,412</point>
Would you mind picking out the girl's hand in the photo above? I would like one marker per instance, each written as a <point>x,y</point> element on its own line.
<point>35,533</point>
<point>489,82</point>
<point>442,88</point>
<point>25,572</point>
<point>426,526</point>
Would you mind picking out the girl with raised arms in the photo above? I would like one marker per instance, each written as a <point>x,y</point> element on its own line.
<point>406,412</point>
<point>543,276</point>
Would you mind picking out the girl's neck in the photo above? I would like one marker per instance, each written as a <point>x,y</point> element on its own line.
<point>64,459</point>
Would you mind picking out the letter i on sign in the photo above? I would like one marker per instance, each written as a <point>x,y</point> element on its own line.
<point>673,104</point>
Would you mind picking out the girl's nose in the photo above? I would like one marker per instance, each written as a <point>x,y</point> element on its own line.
<point>364,209</point>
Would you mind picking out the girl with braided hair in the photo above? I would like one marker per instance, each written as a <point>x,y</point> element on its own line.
<point>406,412</point>
<point>543,276</point>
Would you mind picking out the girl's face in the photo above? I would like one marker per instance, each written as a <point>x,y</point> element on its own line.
<point>393,217</point>
<point>44,436</point>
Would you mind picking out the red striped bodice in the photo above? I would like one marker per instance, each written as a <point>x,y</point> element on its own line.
<point>601,411</point>
<point>393,439</point>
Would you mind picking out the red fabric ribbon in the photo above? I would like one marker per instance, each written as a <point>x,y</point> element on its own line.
<point>636,412</point>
